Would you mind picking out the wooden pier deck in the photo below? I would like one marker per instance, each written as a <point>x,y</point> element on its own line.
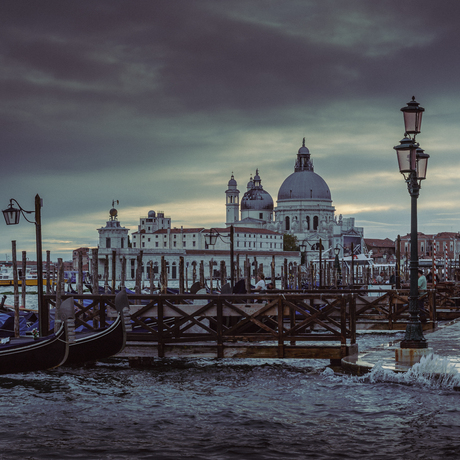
<point>281,324</point>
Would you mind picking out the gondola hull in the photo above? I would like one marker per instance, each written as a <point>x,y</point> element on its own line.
<point>93,346</point>
<point>25,354</point>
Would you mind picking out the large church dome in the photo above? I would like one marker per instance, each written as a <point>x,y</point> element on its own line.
<point>304,183</point>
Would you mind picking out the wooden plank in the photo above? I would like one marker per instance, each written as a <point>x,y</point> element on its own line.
<point>141,350</point>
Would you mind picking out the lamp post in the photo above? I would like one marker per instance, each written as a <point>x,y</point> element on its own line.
<point>12,216</point>
<point>413,164</point>
<point>211,240</point>
<point>338,279</point>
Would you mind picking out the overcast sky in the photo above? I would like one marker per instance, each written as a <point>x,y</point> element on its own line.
<point>156,103</point>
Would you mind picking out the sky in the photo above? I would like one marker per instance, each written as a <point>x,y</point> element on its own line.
<point>156,103</point>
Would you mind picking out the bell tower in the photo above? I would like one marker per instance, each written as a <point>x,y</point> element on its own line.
<point>232,202</point>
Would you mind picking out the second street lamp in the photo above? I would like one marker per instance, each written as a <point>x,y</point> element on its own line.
<point>413,164</point>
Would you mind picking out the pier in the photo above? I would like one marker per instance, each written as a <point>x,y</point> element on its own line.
<point>280,324</point>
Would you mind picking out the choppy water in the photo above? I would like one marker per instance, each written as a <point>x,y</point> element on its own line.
<point>231,409</point>
<point>228,409</point>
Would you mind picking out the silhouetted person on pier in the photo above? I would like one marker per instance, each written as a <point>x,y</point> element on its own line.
<point>421,292</point>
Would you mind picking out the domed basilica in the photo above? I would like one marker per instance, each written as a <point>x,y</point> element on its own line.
<point>304,209</point>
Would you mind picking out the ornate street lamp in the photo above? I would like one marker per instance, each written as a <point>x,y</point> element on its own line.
<point>413,164</point>
<point>12,216</point>
<point>211,240</point>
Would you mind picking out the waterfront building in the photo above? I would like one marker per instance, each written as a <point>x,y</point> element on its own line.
<point>443,243</point>
<point>381,251</point>
<point>156,239</point>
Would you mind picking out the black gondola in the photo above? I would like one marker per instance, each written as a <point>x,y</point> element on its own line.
<point>29,354</point>
<point>104,343</point>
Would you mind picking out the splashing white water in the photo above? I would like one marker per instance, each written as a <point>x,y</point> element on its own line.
<point>432,371</point>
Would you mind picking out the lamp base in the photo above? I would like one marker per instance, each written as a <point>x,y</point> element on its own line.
<point>411,356</point>
<point>414,344</point>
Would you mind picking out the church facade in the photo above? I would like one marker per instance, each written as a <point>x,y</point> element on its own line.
<point>304,209</point>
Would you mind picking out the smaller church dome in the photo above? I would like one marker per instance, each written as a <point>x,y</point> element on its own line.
<point>151,214</point>
<point>257,200</point>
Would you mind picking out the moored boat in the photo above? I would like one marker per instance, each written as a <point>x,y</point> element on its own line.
<point>29,354</point>
<point>104,343</point>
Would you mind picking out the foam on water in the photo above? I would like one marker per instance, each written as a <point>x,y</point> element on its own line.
<point>432,371</point>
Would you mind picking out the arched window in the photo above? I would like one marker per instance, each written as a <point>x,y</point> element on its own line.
<point>288,226</point>
<point>315,223</point>
<point>308,222</point>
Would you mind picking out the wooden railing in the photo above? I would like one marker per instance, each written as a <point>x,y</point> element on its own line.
<point>284,318</point>
<point>390,307</point>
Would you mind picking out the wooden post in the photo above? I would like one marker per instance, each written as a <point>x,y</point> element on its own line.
<point>54,277</point>
<point>114,270</point>
<point>223,274</point>
<point>202,280</point>
<point>194,272</point>
<point>48,272</point>
<point>163,276</point>
<point>106,274</point>
<point>123,272</point>
<point>59,286</point>
<point>248,274</point>
<point>80,275</point>
<point>24,277</point>
<point>294,278</point>
<point>15,289</point>
<point>181,275</point>
<point>299,276</point>
<point>245,269</point>
<point>273,272</point>
<point>139,273</point>
<point>186,277</point>
<point>211,264</point>
<point>238,270</point>
<point>95,270</point>
<point>285,280</point>
<point>151,277</point>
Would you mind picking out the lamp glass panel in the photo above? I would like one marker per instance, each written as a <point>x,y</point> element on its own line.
<point>412,121</point>
<point>422,165</point>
